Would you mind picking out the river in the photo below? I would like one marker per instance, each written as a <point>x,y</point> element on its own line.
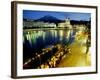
<point>36,40</point>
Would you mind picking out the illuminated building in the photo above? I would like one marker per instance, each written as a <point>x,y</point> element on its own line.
<point>33,24</point>
<point>65,24</point>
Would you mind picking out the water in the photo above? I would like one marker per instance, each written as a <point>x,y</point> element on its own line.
<point>35,40</point>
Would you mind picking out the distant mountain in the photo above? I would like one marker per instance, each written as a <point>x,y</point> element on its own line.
<point>49,18</point>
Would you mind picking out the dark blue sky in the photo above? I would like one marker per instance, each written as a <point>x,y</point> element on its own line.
<point>31,14</point>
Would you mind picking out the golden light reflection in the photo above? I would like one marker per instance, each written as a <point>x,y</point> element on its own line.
<point>61,34</point>
<point>68,34</point>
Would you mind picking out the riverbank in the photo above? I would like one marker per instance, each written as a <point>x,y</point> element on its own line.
<point>49,29</point>
<point>78,56</point>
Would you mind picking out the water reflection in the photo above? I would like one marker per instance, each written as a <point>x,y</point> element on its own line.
<point>35,40</point>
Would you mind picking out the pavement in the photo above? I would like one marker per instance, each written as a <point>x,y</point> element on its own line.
<point>78,56</point>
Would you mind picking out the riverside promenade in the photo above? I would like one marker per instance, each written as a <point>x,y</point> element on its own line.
<point>78,56</point>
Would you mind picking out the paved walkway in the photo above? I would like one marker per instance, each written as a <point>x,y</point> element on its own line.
<point>78,56</point>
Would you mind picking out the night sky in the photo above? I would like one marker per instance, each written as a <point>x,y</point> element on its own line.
<point>31,14</point>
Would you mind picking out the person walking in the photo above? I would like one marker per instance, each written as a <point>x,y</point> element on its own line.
<point>88,42</point>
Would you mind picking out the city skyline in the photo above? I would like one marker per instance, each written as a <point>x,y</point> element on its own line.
<point>32,14</point>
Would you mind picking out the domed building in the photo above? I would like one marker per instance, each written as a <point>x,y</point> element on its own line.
<point>65,24</point>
